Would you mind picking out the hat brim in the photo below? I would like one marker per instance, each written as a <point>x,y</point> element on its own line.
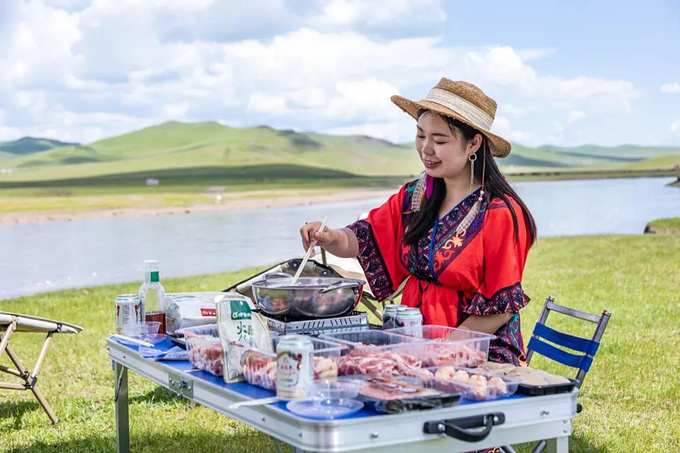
<point>498,145</point>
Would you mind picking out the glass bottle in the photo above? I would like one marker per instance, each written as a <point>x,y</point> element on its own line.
<point>152,295</point>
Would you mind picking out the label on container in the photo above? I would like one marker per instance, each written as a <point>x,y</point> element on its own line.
<point>128,311</point>
<point>294,374</point>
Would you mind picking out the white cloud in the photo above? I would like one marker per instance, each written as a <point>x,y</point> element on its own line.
<point>670,88</point>
<point>502,127</point>
<point>397,131</point>
<point>107,67</point>
<point>381,14</point>
<point>267,104</point>
<point>674,127</point>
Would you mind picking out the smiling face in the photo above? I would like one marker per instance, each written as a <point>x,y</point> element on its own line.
<point>443,149</point>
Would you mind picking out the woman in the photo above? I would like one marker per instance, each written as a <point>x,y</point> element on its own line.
<point>460,232</point>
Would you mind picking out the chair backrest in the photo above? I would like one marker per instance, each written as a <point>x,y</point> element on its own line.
<point>586,348</point>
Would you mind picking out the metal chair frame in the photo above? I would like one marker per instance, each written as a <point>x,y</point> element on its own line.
<point>587,348</point>
<point>15,323</point>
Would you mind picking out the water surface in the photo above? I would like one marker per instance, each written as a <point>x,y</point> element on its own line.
<point>53,255</point>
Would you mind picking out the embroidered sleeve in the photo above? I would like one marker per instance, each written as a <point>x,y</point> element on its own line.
<point>379,239</point>
<point>504,258</point>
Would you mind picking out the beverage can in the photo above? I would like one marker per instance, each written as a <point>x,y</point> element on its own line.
<point>389,315</point>
<point>128,311</point>
<point>411,321</point>
<point>294,367</point>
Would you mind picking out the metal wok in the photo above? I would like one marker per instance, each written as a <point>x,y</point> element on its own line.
<point>310,297</point>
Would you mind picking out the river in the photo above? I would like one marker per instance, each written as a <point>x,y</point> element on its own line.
<point>54,255</point>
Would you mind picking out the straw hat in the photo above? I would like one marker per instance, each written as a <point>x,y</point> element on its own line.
<point>462,101</point>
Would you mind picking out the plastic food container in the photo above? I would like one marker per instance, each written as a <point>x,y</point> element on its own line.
<point>402,394</point>
<point>454,347</point>
<point>334,389</point>
<point>373,339</point>
<point>259,367</point>
<point>473,384</point>
<point>205,353</point>
<point>379,353</point>
<point>324,408</point>
<point>207,329</point>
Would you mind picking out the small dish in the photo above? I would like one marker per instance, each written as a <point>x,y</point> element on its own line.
<point>324,409</point>
<point>154,338</point>
<point>334,389</point>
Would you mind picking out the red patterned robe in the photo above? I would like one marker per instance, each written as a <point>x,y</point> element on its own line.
<point>452,277</point>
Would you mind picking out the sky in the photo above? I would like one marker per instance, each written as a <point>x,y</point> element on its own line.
<point>563,73</point>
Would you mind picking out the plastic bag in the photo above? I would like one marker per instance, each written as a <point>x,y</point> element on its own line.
<point>239,327</point>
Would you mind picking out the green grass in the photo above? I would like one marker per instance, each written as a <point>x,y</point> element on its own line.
<point>630,395</point>
<point>666,226</point>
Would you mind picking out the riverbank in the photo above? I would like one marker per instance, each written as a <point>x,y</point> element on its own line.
<point>627,398</point>
<point>203,203</point>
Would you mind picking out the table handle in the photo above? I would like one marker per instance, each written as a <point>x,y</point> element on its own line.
<point>465,428</point>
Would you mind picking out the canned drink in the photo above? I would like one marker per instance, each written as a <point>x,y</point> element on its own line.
<point>128,311</point>
<point>411,321</point>
<point>294,366</point>
<point>389,315</point>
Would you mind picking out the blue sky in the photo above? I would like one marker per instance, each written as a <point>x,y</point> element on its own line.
<point>563,73</point>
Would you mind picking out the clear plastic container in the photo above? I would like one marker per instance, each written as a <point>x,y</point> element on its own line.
<point>207,329</point>
<point>324,408</point>
<point>334,389</point>
<point>403,394</point>
<point>472,384</point>
<point>205,353</point>
<point>259,367</point>
<point>377,352</point>
<point>451,346</point>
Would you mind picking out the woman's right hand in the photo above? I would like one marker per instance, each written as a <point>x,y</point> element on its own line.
<point>311,236</point>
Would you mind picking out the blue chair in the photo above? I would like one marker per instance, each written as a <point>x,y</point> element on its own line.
<point>584,349</point>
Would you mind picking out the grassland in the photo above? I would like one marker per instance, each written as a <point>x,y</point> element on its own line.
<point>665,226</point>
<point>630,395</point>
<point>192,161</point>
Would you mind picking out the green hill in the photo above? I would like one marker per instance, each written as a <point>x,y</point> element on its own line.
<point>663,161</point>
<point>172,147</point>
<point>179,145</point>
<point>29,145</point>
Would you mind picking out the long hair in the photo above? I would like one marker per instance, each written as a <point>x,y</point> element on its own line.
<point>494,184</point>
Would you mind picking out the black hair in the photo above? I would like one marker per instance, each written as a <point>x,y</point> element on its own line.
<point>495,185</point>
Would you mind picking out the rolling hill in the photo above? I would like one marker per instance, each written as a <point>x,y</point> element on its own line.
<point>173,148</point>
<point>30,145</point>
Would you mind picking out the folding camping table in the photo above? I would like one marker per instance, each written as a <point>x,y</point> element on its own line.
<point>513,420</point>
<point>12,323</point>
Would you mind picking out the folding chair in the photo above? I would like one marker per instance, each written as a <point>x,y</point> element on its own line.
<point>586,348</point>
<point>13,323</point>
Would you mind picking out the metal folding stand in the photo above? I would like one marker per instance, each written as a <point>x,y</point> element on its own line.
<point>18,323</point>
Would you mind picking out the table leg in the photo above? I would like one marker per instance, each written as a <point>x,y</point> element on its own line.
<point>557,445</point>
<point>120,373</point>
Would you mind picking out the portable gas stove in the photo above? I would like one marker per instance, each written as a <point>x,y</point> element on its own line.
<point>352,322</point>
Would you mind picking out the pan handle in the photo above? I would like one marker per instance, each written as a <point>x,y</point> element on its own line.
<point>466,428</point>
<point>276,275</point>
<point>340,285</point>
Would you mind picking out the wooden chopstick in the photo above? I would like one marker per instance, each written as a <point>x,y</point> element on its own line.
<point>312,244</point>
